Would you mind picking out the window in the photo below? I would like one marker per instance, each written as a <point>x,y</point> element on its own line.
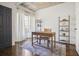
<point>26,24</point>
<point>23,24</point>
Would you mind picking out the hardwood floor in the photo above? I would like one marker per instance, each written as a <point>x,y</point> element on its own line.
<point>71,50</point>
<point>19,51</point>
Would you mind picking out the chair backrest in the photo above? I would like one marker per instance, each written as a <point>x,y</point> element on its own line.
<point>47,30</point>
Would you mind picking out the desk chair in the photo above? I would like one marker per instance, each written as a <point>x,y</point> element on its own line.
<point>45,38</point>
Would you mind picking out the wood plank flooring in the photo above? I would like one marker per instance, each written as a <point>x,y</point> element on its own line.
<point>18,51</point>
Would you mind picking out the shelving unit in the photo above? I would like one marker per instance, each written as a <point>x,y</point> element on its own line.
<point>64,30</point>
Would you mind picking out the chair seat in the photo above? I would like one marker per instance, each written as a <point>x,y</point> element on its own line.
<point>44,38</point>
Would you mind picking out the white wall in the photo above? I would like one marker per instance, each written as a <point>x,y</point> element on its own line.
<point>50,15</point>
<point>14,20</point>
<point>77,26</point>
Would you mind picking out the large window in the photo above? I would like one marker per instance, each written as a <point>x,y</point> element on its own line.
<point>26,25</point>
<point>23,25</point>
<point>26,22</point>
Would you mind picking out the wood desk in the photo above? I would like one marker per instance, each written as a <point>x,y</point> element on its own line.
<point>48,34</point>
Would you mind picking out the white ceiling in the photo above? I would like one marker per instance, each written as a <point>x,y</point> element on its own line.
<point>34,6</point>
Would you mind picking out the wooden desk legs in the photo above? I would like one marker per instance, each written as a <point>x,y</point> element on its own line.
<point>48,43</point>
<point>32,39</point>
<point>37,39</point>
<point>40,41</point>
<point>51,43</point>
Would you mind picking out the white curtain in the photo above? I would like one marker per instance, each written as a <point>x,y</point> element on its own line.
<point>20,25</point>
<point>25,26</point>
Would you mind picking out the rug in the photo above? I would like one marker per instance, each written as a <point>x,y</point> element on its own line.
<point>41,51</point>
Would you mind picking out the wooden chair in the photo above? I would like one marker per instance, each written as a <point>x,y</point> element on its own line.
<point>45,38</point>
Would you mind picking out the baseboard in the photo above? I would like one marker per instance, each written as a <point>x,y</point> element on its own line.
<point>13,43</point>
<point>64,43</point>
<point>77,51</point>
<point>23,40</point>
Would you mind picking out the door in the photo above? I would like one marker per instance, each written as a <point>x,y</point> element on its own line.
<point>8,27</point>
<point>1,30</point>
<point>1,27</point>
<point>5,27</point>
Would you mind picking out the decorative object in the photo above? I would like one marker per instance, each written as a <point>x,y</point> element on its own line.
<point>64,19</point>
<point>38,25</point>
<point>64,34</point>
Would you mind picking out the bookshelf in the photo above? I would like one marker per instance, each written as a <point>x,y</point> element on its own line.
<point>64,30</point>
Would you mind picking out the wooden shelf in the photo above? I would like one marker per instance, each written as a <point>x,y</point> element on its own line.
<point>64,42</point>
<point>63,33</point>
<point>63,36</point>
<point>64,25</point>
<point>64,20</point>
